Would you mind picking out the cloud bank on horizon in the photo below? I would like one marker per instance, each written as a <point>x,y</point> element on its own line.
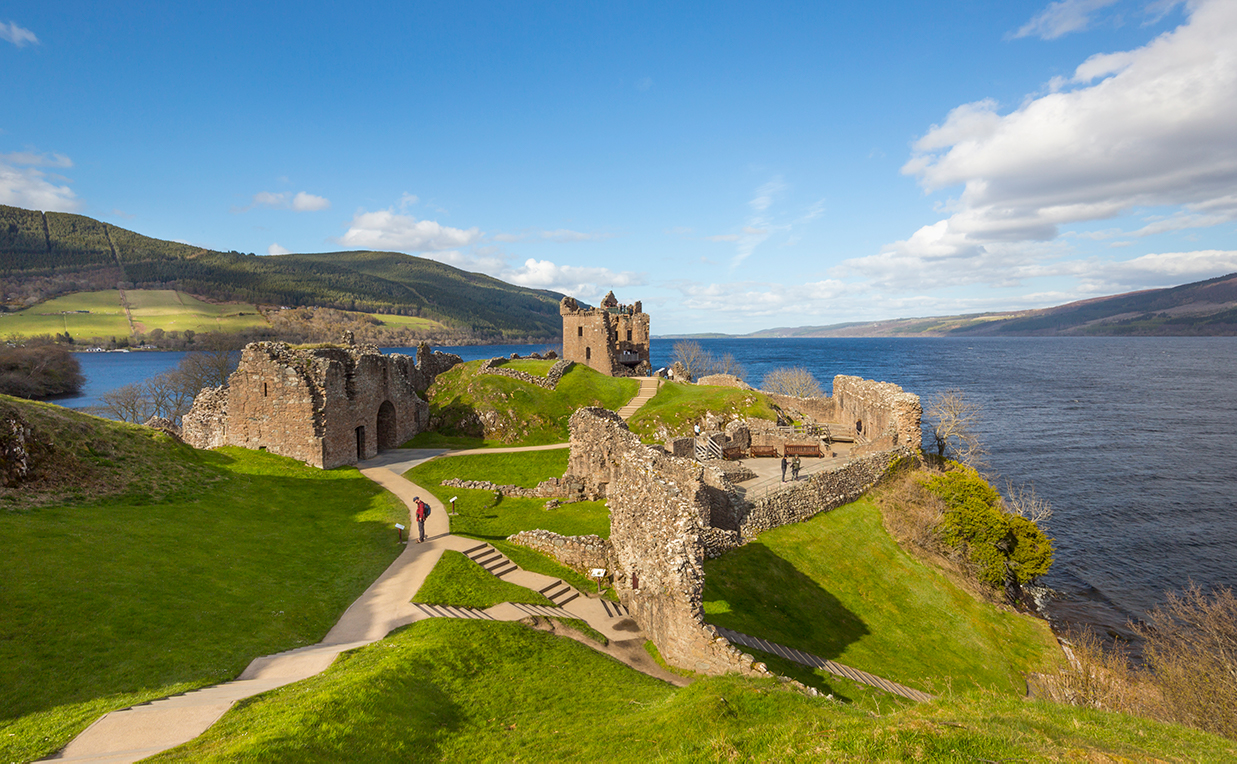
<point>1119,174</point>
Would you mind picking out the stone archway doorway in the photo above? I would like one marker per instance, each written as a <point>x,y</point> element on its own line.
<point>388,436</point>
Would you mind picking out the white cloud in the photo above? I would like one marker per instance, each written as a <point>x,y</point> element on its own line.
<point>19,36</point>
<point>275,249</point>
<point>300,202</point>
<point>304,202</point>
<point>1061,18</point>
<point>23,185</point>
<point>36,159</point>
<point>389,230</point>
<point>1152,127</point>
<point>582,282</point>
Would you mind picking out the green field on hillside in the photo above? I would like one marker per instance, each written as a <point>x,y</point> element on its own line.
<point>99,314</point>
<point>410,322</point>
<point>451,690</point>
<point>224,556</point>
<point>839,587</point>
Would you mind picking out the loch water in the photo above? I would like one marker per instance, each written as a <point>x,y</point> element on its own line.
<point>1132,440</point>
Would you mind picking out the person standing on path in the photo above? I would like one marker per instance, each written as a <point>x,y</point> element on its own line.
<point>794,467</point>
<point>423,511</point>
<point>784,463</point>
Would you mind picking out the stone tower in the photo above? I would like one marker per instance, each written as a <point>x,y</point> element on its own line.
<point>611,338</point>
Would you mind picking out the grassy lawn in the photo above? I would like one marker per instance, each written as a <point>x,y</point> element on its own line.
<point>479,516</point>
<point>457,580</point>
<point>520,413</point>
<point>111,603</point>
<point>450,690</point>
<point>401,322</point>
<point>677,407</point>
<point>839,587</point>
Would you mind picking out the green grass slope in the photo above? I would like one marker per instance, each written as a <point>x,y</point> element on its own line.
<point>676,407</point>
<point>445,690</point>
<point>201,562</point>
<point>839,587</point>
<point>482,518</point>
<point>457,580</point>
<point>495,410</point>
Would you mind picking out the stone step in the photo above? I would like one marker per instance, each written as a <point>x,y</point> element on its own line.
<point>560,593</point>
<point>614,609</point>
<point>450,611</point>
<point>543,610</point>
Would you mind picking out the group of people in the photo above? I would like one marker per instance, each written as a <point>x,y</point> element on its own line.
<point>794,467</point>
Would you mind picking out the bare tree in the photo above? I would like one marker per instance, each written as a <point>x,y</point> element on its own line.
<point>795,381</point>
<point>1023,500</point>
<point>170,394</point>
<point>128,403</point>
<point>728,365</point>
<point>954,421</point>
<point>693,357</point>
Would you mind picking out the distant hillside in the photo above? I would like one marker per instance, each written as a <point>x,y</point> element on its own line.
<point>1204,308</point>
<point>43,255</point>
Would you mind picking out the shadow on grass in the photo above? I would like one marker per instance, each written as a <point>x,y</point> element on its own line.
<point>754,591</point>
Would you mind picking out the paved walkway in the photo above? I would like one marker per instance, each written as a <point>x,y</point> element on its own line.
<point>769,471</point>
<point>134,733</point>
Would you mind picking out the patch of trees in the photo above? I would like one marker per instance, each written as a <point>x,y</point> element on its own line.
<point>38,368</point>
<point>796,381</point>
<point>170,395</point>
<point>701,363</point>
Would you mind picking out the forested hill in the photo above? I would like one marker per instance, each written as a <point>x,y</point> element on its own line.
<point>43,255</point>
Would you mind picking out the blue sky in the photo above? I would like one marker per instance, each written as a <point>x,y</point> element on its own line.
<point>734,166</point>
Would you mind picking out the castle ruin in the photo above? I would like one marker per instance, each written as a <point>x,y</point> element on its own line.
<point>611,338</point>
<point>326,406</point>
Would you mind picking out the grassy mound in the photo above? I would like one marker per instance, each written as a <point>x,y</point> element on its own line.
<point>80,458</point>
<point>107,604</point>
<point>457,580</point>
<point>501,410</point>
<point>444,690</point>
<point>482,516</point>
<point>839,587</point>
<point>677,407</point>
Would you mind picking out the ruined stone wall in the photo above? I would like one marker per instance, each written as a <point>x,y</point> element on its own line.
<point>724,380</point>
<point>602,338</point>
<point>889,415</point>
<point>819,410</point>
<point>549,381</point>
<point>324,406</point>
<point>660,507</point>
<point>553,488</point>
<point>580,553</point>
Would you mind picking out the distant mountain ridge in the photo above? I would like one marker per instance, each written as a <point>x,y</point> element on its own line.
<point>43,255</point>
<point>1203,308</point>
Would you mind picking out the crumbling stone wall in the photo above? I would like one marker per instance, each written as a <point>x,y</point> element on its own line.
<point>819,410</point>
<point>612,338</point>
<point>553,488</point>
<point>580,553</point>
<point>549,381</point>
<point>660,508</point>
<point>887,415</point>
<point>324,406</point>
<point>17,442</point>
<point>724,380</point>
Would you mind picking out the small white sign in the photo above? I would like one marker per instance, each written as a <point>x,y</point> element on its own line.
<point>453,498</point>
<point>398,526</point>
<point>598,572</point>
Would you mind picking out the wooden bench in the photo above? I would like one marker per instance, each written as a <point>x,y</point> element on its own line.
<point>803,450</point>
<point>732,452</point>
<point>764,451</point>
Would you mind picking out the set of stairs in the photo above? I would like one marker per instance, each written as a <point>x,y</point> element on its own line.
<point>449,611</point>
<point>614,610</point>
<point>648,388</point>
<point>560,593</point>
<point>706,449</point>
<point>491,559</point>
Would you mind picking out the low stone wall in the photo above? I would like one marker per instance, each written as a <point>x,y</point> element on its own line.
<point>819,492</point>
<point>580,553</point>
<point>724,380</point>
<point>820,410</point>
<point>549,381</point>
<point>554,488</point>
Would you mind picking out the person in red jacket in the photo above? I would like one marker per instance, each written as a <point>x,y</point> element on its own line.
<point>423,511</point>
